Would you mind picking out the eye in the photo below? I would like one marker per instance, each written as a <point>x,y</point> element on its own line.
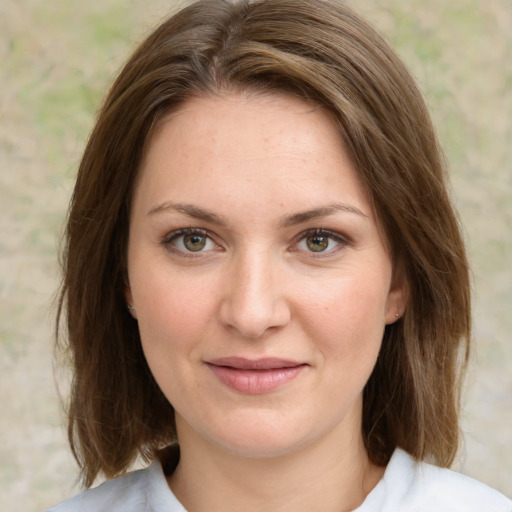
<point>320,241</point>
<point>189,240</point>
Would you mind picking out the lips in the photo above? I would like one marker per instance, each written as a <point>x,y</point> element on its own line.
<point>255,376</point>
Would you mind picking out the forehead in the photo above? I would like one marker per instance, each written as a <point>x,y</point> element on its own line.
<point>246,127</point>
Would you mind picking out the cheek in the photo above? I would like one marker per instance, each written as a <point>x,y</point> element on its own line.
<point>173,317</point>
<point>172,311</point>
<point>346,317</point>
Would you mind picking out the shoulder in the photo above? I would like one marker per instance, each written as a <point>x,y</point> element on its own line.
<point>410,486</point>
<point>140,491</point>
<point>455,491</point>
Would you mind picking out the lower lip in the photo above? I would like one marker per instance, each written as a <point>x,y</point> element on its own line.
<point>255,382</point>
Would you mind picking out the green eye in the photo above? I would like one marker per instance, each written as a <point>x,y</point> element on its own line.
<point>188,241</point>
<point>317,243</point>
<point>194,242</point>
<point>321,242</point>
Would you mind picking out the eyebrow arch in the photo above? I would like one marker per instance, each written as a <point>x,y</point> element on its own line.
<point>191,211</point>
<point>316,213</point>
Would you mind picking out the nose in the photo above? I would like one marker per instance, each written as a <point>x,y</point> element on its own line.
<point>254,301</point>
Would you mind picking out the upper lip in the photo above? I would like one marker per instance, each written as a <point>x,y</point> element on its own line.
<point>242,363</point>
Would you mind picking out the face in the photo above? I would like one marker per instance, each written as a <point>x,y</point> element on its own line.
<point>258,273</point>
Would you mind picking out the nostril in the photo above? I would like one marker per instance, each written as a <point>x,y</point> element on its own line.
<point>252,323</point>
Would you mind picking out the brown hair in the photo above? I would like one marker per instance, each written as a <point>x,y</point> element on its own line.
<point>322,52</point>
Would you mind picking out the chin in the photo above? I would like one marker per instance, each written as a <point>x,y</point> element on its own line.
<point>262,437</point>
<point>262,446</point>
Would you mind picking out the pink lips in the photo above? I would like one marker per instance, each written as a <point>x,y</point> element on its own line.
<point>254,376</point>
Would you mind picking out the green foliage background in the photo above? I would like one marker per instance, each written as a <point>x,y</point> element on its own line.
<point>57,58</point>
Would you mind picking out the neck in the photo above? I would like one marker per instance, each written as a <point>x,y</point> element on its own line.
<point>210,478</point>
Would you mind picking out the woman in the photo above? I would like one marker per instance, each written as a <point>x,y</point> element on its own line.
<point>265,286</point>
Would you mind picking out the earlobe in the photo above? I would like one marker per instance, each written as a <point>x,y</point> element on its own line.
<point>394,313</point>
<point>129,301</point>
<point>397,298</point>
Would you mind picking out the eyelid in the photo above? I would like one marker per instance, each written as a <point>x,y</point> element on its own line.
<point>168,239</point>
<point>342,240</point>
<point>184,231</point>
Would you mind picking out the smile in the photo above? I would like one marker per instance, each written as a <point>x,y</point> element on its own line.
<point>255,377</point>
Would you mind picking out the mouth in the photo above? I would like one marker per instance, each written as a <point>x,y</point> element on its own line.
<point>255,376</point>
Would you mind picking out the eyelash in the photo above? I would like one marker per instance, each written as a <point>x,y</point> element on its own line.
<point>168,240</point>
<point>331,235</point>
<point>342,241</point>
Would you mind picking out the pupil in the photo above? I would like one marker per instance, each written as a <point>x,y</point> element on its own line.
<point>317,243</point>
<point>194,243</point>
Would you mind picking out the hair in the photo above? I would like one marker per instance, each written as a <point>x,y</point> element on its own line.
<point>322,52</point>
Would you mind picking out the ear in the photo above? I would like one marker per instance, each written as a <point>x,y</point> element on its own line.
<point>398,296</point>
<point>129,301</point>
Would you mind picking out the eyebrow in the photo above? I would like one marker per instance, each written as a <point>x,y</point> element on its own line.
<point>318,213</point>
<point>191,211</point>
<point>290,220</point>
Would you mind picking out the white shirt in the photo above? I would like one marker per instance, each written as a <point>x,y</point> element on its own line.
<point>406,486</point>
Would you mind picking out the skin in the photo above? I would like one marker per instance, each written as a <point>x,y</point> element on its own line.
<point>262,284</point>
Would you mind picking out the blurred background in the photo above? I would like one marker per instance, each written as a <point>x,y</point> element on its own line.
<point>57,58</point>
